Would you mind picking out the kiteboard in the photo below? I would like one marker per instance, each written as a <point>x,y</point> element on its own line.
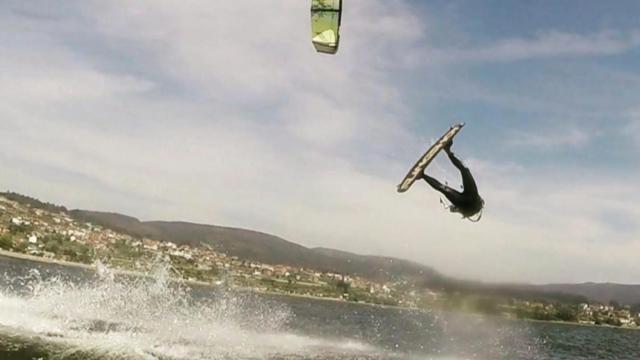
<point>427,157</point>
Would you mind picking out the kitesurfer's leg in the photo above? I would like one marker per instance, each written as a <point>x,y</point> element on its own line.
<point>452,195</point>
<point>468,183</point>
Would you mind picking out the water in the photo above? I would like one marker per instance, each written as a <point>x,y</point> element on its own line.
<point>53,312</point>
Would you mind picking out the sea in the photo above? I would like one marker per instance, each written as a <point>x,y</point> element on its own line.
<point>50,311</point>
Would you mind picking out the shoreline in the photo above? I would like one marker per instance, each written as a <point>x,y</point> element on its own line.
<point>116,271</point>
<point>569,323</point>
<point>397,307</point>
<point>42,260</point>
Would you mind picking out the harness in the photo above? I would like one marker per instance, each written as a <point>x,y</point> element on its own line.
<point>479,216</point>
<point>473,218</point>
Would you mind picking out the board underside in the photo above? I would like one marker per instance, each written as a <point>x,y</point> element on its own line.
<point>427,157</point>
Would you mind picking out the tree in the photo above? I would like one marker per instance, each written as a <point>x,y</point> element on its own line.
<point>6,242</point>
<point>17,229</point>
<point>566,313</point>
<point>343,286</point>
<point>33,202</point>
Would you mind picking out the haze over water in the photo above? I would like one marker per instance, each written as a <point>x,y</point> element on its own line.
<point>79,314</point>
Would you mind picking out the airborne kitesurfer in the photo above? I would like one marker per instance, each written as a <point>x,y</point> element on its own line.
<point>468,202</point>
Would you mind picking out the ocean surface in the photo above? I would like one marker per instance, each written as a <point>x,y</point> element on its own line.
<point>54,312</point>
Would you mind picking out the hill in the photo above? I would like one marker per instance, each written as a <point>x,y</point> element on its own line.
<point>258,246</point>
<point>266,248</point>
<point>601,292</point>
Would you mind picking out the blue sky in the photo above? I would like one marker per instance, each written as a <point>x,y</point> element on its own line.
<point>224,114</point>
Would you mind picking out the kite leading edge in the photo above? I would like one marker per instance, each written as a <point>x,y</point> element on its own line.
<point>325,25</point>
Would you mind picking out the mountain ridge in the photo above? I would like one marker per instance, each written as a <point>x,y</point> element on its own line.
<point>271,249</point>
<point>258,246</point>
<point>236,242</point>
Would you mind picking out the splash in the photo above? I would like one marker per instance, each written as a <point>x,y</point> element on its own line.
<point>110,315</point>
<point>149,317</point>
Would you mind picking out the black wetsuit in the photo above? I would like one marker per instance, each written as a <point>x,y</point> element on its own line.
<point>468,202</point>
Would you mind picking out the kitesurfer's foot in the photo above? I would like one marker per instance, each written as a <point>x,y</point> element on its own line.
<point>447,146</point>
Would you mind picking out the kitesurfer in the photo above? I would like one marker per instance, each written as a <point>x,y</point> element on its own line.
<point>468,202</point>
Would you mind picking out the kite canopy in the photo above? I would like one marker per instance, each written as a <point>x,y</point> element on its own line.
<point>325,25</point>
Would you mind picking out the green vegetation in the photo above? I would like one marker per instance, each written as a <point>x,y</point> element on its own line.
<point>566,313</point>
<point>342,286</point>
<point>32,202</point>
<point>6,242</point>
<point>20,229</point>
<point>338,289</point>
<point>74,251</point>
<point>20,246</point>
<point>199,274</point>
<point>11,243</point>
<point>121,250</point>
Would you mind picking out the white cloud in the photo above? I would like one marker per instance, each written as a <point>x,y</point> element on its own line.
<point>209,152</point>
<point>60,78</point>
<point>226,115</point>
<point>544,45</point>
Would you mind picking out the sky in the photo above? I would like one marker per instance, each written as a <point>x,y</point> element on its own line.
<point>223,113</point>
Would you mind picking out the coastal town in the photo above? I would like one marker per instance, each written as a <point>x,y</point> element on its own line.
<point>56,235</point>
<point>51,233</point>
